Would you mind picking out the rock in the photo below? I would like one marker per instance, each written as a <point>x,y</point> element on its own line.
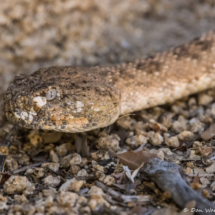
<point>172,142</point>
<point>109,180</point>
<point>53,166</point>
<point>136,140</point>
<point>82,173</point>
<point>67,199</point>
<point>209,133</point>
<point>188,171</point>
<point>17,184</point>
<point>179,125</point>
<point>186,135</point>
<point>11,164</point>
<point>49,201</point>
<point>3,206</point>
<point>76,159</point>
<point>65,161</point>
<point>155,138</point>
<point>53,156</point>
<point>97,202</point>
<point>109,142</point>
<point>196,125</point>
<point>166,119</point>
<point>38,172</point>
<point>35,138</point>
<point>20,199</point>
<point>204,99</point>
<point>204,182</point>
<point>156,126</point>
<point>74,169</point>
<point>193,155</point>
<point>52,181</point>
<point>72,185</point>
<point>96,190</point>
<point>211,168</point>
<point>61,150</point>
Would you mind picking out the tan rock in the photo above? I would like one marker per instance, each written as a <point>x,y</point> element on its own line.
<point>97,202</point>
<point>172,142</point>
<point>155,138</point>
<point>52,181</point>
<point>53,156</point>
<point>17,184</point>
<point>67,199</point>
<point>72,185</point>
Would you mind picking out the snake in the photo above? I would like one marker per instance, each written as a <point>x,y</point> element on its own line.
<point>78,99</point>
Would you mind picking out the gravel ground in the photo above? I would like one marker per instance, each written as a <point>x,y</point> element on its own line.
<point>43,33</point>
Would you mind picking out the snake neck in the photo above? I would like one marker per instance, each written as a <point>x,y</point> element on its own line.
<point>167,76</point>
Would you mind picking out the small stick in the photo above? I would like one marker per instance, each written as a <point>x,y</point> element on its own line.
<point>167,176</point>
<point>27,167</point>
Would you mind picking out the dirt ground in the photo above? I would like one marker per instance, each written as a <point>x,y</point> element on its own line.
<point>44,33</point>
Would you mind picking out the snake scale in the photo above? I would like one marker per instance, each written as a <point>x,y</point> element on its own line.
<point>78,99</point>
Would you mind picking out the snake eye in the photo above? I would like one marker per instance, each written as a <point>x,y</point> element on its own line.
<point>51,94</point>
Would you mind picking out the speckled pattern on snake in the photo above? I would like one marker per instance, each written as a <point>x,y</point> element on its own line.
<point>78,99</point>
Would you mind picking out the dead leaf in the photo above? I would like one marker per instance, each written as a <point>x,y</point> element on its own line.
<point>131,175</point>
<point>196,179</point>
<point>134,159</point>
<point>209,133</point>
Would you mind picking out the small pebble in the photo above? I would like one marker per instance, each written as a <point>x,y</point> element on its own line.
<point>188,171</point>
<point>53,156</point>
<point>155,138</point>
<point>204,181</point>
<point>211,168</point>
<point>53,166</point>
<point>82,173</point>
<point>61,150</point>
<point>74,169</point>
<point>109,180</point>
<point>196,125</point>
<point>20,199</point>
<point>76,159</point>
<point>67,199</point>
<point>72,185</point>
<point>204,99</point>
<point>38,172</point>
<point>17,184</point>
<point>186,135</point>
<point>11,164</point>
<point>136,140</point>
<point>49,201</point>
<point>52,181</point>
<point>172,142</point>
<point>179,125</point>
<point>97,202</point>
<point>109,142</point>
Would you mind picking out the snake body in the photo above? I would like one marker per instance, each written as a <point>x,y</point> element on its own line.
<point>78,99</point>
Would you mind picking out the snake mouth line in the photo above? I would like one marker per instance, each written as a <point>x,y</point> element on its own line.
<point>80,124</point>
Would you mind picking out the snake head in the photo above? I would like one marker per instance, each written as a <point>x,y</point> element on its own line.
<point>67,99</point>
